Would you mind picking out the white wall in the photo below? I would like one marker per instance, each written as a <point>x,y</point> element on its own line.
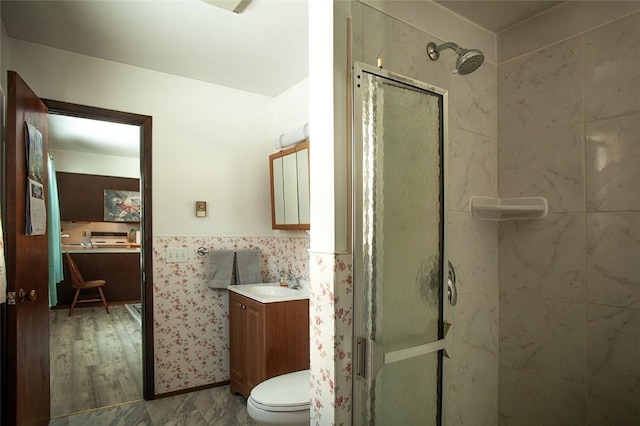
<point>209,142</point>
<point>290,109</point>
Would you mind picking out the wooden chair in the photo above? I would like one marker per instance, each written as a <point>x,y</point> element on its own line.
<point>79,283</point>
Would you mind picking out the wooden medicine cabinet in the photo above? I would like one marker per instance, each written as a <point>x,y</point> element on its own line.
<point>289,171</point>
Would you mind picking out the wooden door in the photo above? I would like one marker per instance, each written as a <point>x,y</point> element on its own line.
<point>27,392</point>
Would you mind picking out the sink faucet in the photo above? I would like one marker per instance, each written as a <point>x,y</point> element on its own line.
<point>292,282</point>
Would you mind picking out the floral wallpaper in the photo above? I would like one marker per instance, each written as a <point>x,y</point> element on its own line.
<point>331,319</point>
<point>191,320</point>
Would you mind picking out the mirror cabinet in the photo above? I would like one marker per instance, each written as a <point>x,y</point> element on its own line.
<point>289,171</point>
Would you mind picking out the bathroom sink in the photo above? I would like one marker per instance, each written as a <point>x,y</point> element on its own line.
<point>272,291</point>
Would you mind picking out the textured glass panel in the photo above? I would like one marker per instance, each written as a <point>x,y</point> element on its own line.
<point>406,392</point>
<point>408,202</point>
<point>402,239</point>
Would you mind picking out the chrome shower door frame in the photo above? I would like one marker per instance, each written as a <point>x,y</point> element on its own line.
<point>369,357</point>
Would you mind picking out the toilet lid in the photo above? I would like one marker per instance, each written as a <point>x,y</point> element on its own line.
<point>284,393</point>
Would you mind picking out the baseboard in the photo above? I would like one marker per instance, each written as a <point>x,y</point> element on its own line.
<point>188,390</point>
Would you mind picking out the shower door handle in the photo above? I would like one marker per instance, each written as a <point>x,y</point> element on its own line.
<point>452,291</point>
<point>371,357</point>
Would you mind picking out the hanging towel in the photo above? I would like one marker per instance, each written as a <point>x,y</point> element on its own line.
<point>54,235</point>
<point>248,267</point>
<point>220,268</point>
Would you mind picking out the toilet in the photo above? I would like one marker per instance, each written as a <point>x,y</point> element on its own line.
<point>281,400</point>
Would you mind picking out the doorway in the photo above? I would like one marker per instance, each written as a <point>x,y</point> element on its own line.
<point>399,248</point>
<point>145,125</point>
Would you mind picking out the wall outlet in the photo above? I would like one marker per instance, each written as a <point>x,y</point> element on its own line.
<point>176,255</point>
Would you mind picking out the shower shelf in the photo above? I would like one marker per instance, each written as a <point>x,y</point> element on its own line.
<point>489,208</point>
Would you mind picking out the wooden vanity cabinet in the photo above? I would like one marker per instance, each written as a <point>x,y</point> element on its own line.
<point>266,340</point>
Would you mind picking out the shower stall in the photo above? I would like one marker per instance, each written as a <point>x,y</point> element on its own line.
<point>546,328</point>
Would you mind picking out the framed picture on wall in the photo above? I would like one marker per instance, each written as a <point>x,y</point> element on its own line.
<point>121,206</point>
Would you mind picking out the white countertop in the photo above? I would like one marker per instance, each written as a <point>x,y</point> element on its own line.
<point>245,290</point>
<point>77,248</point>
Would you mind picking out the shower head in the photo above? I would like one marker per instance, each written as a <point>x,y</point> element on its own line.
<point>468,61</point>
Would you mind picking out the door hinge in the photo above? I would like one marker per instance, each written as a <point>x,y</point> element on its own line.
<point>11,298</point>
<point>360,356</point>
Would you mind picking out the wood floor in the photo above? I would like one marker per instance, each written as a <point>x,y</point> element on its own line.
<point>96,359</point>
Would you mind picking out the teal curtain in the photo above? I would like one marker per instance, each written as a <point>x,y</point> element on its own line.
<point>54,235</point>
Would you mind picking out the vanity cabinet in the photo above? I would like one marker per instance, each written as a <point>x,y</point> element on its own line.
<point>289,173</point>
<point>266,340</point>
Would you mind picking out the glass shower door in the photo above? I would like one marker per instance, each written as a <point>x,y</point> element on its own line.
<point>399,249</point>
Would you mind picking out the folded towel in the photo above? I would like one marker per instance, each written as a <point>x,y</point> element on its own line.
<point>220,268</point>
<point>248,267</point>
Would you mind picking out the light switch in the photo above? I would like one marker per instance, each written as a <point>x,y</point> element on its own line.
<point>176,255</point>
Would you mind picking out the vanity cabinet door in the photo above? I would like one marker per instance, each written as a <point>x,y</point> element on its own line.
<point>246,343</point>
<point>254,334</point>
<point>237,343</point>
<point>289,172</point>
<point>266,340</point>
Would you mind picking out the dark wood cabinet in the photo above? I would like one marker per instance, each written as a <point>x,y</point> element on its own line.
<point>266,340</point>
<point>82,195</point>
<point>120,270</point>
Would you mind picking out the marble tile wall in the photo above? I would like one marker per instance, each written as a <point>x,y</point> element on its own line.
<point>472,168</point>
<point>191,329</point>
<point>570,283</point>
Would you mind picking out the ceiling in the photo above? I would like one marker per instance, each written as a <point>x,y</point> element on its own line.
<point>497,16</point>
<point>263,49</point>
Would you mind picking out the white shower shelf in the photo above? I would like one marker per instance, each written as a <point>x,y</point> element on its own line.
<point>489,208</point>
